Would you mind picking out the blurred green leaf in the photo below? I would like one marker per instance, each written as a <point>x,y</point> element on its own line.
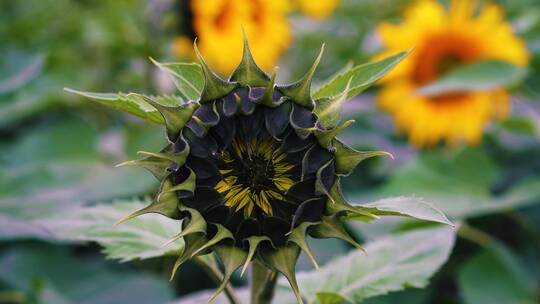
<point>51,275</point>
<point>56,167</point>
<point>459,184</point>
<point>138,238</point>
<point>495,275</point>
<point>26,89</point>
<point>96,45</point>
<point>361,77</point>
<point>517,124</point>
<point>483,75</point>
<point>36,98</point>
<point>392,263</point>
<point>31,68</point>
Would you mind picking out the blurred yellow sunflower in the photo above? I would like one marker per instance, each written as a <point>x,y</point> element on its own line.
<point>317,9</point>
<point>442,40</point>
<point>218,24</point>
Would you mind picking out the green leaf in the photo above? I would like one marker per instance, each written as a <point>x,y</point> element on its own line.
<point>188,77</point>
<point>405,206</point>
<point>509,281</point>
<point>139,238</point>
<point>52,274</point>
<point>406,259</point>
<point>479,76</point>
<point>361,77</point>
<point>128,103</point>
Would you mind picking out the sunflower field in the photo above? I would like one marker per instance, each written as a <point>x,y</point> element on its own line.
<point>270,151</point>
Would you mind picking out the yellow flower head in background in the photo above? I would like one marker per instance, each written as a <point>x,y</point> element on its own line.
<point>218,26</point>
<point>317,9</point>
<point>442,40</point>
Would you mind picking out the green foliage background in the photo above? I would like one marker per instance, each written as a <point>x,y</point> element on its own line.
<point>60,192</point>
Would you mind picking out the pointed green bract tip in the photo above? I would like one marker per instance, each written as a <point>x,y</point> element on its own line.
<point>196,225</point>
<point>268,97</point>
<point>253,242</point>
<point>300,91</point>
<point>331,227</point>
<point>192,243</point>
<point>283,259</point>
<point>176,117</point>
<point>221,235</point>
<point>232,258</point>
<point>299,237</point>
<point>158,167</point>
<point>339,205</point>
<point>166,205</point>
<point>214,87</point>
<point>329,109</point>
<point>325,137</point>
<point>248,73</point>
<point>348,158</point>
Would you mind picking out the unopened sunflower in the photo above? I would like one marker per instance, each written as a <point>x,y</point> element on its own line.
<point>251,168</point>
<point>217,25</point>
<point>443,40</point>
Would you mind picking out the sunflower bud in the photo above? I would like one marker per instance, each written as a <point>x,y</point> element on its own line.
<point>252,169</point>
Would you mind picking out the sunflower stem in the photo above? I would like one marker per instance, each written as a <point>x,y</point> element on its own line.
<point>211,267</point>
<point>474,235</point>
<point>263,283</point>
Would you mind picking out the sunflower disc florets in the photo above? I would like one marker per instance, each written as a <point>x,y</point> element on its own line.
<point>252,168</point>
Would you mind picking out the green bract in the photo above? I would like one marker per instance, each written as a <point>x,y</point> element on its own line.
<point>251,168</point>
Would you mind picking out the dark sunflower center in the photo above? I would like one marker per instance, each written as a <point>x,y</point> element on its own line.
<point>255,174</point>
